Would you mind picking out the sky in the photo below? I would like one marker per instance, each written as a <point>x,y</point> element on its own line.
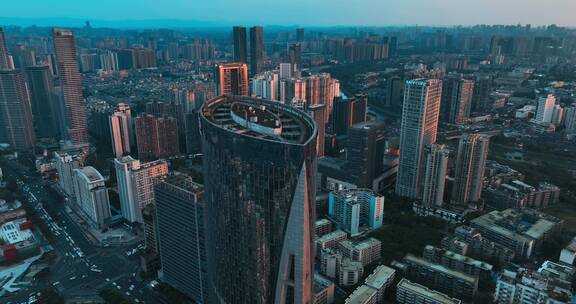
<point>304,12</point>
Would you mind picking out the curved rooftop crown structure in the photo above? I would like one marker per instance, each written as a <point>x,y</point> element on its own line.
<point>260,170</point>
<point>260,118</point>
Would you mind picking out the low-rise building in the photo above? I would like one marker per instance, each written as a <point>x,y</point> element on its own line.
<point>330,240</point>
<point>521,230</point>
<point>330,262</point>
<point>365,252</point>
<point>470,242</point>
<point>518,194</point>
<point>363,295</point>
<point>323,227</point>
<point>530,287</point>
<point>380,280</point>
<point>454,283</point>
<point>323,290</point>
<point>412,293</point>
<point>350,272</point>
<point>568,254</point>
<point>457,262</point>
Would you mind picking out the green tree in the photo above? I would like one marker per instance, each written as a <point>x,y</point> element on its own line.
<point>50,296</point>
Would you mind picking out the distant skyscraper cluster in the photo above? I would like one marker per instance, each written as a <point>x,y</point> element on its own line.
<point>255,56</point>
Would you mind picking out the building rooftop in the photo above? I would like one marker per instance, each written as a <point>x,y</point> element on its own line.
<point>258,118</point>
<point>438,297</point>
<point>440,268</point>
<point>332,235</point>
<point>520,224</point>
<point>381,275</point>
<point>462,258</point>
<point>11,233</point>
<point>91,174</point>
<point>361,295</point>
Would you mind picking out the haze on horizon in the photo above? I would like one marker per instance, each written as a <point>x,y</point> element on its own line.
<point>305,12</point>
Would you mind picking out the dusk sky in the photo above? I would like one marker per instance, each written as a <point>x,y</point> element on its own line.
<point>306,12</point>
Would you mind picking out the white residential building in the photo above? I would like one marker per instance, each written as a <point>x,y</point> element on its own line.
<point>136,185</point>
<point>65,164</point>
<point>92,196</point>
<point>545,108</point>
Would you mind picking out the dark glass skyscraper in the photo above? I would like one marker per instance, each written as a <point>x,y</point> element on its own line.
<point>260,170</point>
<point>16,126</point>
<point>180,223</point>
<point>4,60</point>
<point>71,85</point>
<point>240,49</point>
<point>44,107</point>
<point>256,49</point>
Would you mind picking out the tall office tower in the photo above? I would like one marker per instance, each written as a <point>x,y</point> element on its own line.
<point>318,113</point>
<point>260,172</point>
<point>16,126</point>
<point>126,111</point>
<point>256,50</point>
<point>150,233</point>
<point>4,58</point>
<point>169,140</point>
<point>359,109</point>
<point>44,102</point>
<point>180,205</point>
<point>456,99</point>
<point>143,58</point>
<point>192,135</point>
<point>365,152</point>
<point>109,61</point>
<point>418,128</point>
<point>125,59</point>
<point>300,34</point>
<point>570,121</point>
<point>394,92</point>
<point>435,175</point>
<point>347,112</point>
<point>147,136</point>
<point>65,165</point>
<point>156,137</point>
<point>285,71</point>
<point>470,166</point>
<point>71,86</point>
<point>295,56</point>
<point>92,196</point>
<point>23,56</point>
<point>481,100</point>
<point>120,133</point>
<point>231,79</point>
<point>240,47</point>
<point>322,88</point>
<point>353,208</point>
<point>266,85</point>
<point>557,115</point>
<point>135,185</point>
<point>545,108</point>
<point>292,89</point>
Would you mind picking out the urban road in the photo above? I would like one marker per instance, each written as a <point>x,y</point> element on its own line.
<point>81,268</point>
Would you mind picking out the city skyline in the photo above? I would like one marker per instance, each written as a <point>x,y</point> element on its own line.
<point>179,13</point>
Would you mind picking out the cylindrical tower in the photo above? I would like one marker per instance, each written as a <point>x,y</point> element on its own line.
<point>259,177</point>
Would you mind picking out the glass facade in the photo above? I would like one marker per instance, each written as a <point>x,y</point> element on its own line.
<point>260,193</point>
